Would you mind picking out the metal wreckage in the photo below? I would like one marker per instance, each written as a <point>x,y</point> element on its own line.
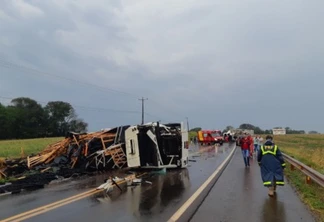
<point>152,145</point>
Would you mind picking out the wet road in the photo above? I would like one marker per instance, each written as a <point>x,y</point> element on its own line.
<point>146,202</point>
<point>239,195</point>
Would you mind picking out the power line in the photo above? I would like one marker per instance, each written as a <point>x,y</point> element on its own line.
<point>11,65</point>
<point>93,108</point>
<point>8,64</point>
<point>84,107</point>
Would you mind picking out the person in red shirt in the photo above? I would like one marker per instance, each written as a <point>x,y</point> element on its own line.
<point>251,145</point>
<point>245,147</point>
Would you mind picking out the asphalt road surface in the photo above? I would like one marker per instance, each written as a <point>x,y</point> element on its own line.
<point>239,195</point>
<point>146,202</point>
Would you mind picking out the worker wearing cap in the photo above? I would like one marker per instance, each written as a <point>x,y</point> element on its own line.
<point>272,164</point>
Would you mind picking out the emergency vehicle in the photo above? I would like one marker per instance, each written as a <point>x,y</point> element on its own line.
<point>155,145</point>
<point>210,137</point>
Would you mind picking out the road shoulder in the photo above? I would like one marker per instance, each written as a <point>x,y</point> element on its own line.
<point>239,195</point>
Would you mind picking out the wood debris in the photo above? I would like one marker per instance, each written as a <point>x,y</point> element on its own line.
<point>86,152</point>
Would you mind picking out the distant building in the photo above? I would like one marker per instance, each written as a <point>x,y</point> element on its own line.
<point>280,131</point>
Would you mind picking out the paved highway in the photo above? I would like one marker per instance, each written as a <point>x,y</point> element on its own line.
<point>239,195</point>
<point>146,202</point>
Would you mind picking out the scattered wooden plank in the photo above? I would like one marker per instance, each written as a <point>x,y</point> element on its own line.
<point>2,174</point>
<point>60,148</point>
<point>46,169</point>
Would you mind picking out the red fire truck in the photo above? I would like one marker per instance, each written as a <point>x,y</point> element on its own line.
<point>210,137</point>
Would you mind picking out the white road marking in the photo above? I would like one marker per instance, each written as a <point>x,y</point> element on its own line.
<point>186,205</point>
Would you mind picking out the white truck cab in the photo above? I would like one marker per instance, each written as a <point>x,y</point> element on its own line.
<point>155,145</point>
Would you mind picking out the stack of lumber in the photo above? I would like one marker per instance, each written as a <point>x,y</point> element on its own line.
<point>79,152</point>
<point>73,140</point>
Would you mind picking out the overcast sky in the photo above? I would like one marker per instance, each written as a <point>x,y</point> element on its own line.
<point>218,62</point>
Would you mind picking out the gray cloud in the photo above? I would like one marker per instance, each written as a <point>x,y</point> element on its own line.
<point>218,62</point>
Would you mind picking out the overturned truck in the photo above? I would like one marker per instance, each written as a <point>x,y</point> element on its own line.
<point>152,145</point>
<point>156,145</point>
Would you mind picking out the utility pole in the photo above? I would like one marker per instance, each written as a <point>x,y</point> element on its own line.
<point>187,124</point>
<point>143,108</point>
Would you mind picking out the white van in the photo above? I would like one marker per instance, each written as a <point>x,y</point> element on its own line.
<point>155,145</point>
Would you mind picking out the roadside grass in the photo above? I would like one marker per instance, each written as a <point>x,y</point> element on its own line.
<point>12,148</point>
<point>308,149</point>
<point>192,134</point>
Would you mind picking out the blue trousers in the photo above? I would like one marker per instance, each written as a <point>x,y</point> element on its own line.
<point>246,157</point>
<point>256,147</point>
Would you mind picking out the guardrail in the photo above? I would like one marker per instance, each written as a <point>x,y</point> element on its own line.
<point>310,173</point>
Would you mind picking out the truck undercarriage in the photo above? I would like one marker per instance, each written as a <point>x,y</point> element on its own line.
<point>158,145</point>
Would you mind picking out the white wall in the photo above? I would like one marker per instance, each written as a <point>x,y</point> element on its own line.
<point>278,131</point>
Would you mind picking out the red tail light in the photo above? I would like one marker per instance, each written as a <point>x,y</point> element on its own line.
<point>186,145</point>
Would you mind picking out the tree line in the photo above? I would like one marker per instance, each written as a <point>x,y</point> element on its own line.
<point>25,118</point>
<point>258,130</point>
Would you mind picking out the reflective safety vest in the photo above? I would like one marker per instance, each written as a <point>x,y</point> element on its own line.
<point>269,149</point>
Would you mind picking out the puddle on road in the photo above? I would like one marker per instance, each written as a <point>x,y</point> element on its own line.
<point>166,193</point>
<point>151,198</point>
<point>212,151</point>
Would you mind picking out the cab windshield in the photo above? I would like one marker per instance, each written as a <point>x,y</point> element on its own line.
<point>216,134</point>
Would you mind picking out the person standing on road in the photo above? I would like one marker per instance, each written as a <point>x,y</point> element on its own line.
<point>250,138</point>
<point>256,144</point>
<point>230,138</point>
<point>260,142</point>
<point>245,147</point>
<point>272,165</point>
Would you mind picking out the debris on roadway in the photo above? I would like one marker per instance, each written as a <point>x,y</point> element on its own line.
<point>152,145</point>
<point>116,182</point>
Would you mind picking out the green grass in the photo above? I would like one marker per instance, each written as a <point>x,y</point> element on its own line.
<point>312,195</point>
<point>12,148</point>
<point>192,134</point>
<point>308,149</point>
